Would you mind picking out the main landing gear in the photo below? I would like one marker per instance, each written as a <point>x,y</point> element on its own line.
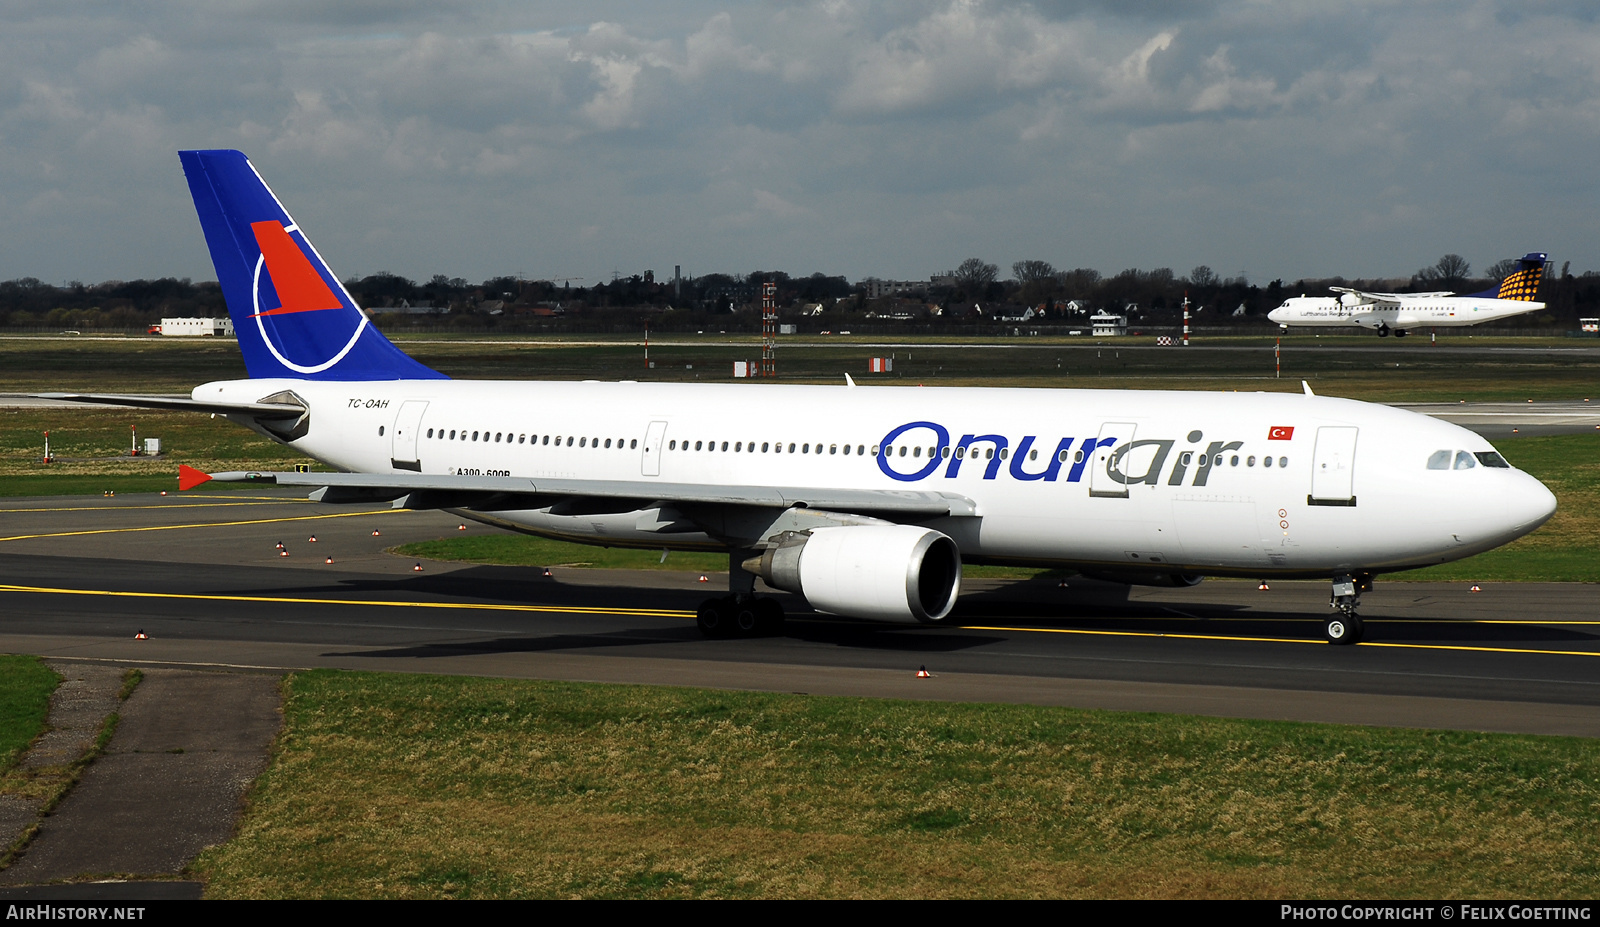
<point>1346,626</point>
<point>741,613</point>
<point>740,616</point>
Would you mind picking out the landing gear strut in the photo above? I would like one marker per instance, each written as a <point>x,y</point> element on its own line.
<point>741,613</point>
<point>1346,626</point>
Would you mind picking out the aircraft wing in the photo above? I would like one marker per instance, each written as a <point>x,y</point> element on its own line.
<point>1387,299</point>
<point>264,410</point>
<point>426,491</point>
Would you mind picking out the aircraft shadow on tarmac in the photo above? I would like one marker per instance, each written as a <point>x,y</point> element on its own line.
<point>1033,604</point>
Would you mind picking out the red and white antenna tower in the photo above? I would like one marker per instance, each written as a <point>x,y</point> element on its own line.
<point>769,329</point>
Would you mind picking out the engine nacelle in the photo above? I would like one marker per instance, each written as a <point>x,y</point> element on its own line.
<point>883,572</point>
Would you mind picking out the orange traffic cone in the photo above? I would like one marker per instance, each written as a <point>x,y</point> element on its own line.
<point>1474,588</point>
<point>374,532</point>
<point>547,572</point>
<point>704,578</point>
<point>312,539</point>
<point>924,674</point>
<point>141,636</point>
<point>461,527</point>
<point>1263,587</point>
<point>283,553</point>
<point>329,560</point>
<point>417,568</point>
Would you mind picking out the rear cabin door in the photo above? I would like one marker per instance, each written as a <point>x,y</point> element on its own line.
<point>406,424</point>
<point>1333,466</point>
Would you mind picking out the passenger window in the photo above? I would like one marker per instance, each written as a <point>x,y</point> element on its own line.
<point>1234,461</point>
<point>1185,458</point>
<point>791,447</point>
<point>1464,461</point>
<point>1250,461</point>
<point>1439,460</point>
<point>724,445</point>
<point>1062,457</point>
<point>1283,462</point>
<point>833,449</point>
<point>633,444</point>
<point>943,452</point>
<point>1266,461</point>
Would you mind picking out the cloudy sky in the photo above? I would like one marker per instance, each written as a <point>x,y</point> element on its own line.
<point>892,139</point>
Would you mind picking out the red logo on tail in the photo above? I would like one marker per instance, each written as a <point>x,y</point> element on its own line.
<point>300,288</point>
<point>1280,433</point>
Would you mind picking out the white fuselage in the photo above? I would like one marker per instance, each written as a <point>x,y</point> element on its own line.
<point>1220,483</point>
<point>1411,312</point>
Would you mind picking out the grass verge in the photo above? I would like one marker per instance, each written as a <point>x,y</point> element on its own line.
<point>396,786</point>
<point>25,687</point>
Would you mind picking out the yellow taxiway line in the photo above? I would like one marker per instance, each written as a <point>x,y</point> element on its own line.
<point>175,504</point>
<point>218,524</point>
<point>1288,640</point>
<point>289,600</point>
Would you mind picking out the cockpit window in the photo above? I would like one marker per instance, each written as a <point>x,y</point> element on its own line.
<point>1440,460</point>
<point>1492,459</point>
<point>1464,461</point>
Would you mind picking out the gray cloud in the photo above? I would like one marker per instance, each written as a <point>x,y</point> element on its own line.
<point>842,135</point>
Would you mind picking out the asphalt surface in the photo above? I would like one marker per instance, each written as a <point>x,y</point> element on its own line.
<point>202,577</point>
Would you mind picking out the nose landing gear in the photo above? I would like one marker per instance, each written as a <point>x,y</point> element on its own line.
<point>1346,627</point>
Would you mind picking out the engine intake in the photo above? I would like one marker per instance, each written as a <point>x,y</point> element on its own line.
<point>884,572</point>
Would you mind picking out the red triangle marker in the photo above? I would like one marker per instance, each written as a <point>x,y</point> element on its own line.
<point>189,477</point>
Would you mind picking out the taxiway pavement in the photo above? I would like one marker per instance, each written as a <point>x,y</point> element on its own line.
<point>200,574</point>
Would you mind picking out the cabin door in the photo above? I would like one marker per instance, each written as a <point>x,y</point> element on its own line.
<point>1333,466</point>
<point>650,462</point>
<point>406,425</point>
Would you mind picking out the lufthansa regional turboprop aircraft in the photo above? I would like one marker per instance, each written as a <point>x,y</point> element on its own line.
<point>1388,313</point>
<point>865,501</point>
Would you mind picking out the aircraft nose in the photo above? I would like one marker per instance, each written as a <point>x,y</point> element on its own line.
<point>1529,503</point>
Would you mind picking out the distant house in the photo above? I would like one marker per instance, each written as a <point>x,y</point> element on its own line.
<point>877,289</point>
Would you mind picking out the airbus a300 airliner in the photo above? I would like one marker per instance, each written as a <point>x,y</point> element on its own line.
<point>866,501</point>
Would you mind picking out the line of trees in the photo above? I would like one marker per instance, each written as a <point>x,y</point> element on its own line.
<point>973,292</point>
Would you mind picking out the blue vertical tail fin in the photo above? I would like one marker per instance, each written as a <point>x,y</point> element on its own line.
<point>1521,284</point>
<point>291,314</point>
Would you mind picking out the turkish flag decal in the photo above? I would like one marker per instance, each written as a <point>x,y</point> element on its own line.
<point>1280,433</point>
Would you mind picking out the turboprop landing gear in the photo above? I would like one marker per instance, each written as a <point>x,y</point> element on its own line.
<point>741,613</point>
<point>1346,626</point>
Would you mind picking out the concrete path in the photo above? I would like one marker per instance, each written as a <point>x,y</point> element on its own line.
<point>170,784</point>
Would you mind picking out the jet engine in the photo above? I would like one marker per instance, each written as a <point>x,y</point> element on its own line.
<point>884,572</point>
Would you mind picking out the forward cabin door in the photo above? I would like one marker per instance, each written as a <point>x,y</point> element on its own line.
<point>1333,466</point>
<point>406,424</point>
<point>650,461</point>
